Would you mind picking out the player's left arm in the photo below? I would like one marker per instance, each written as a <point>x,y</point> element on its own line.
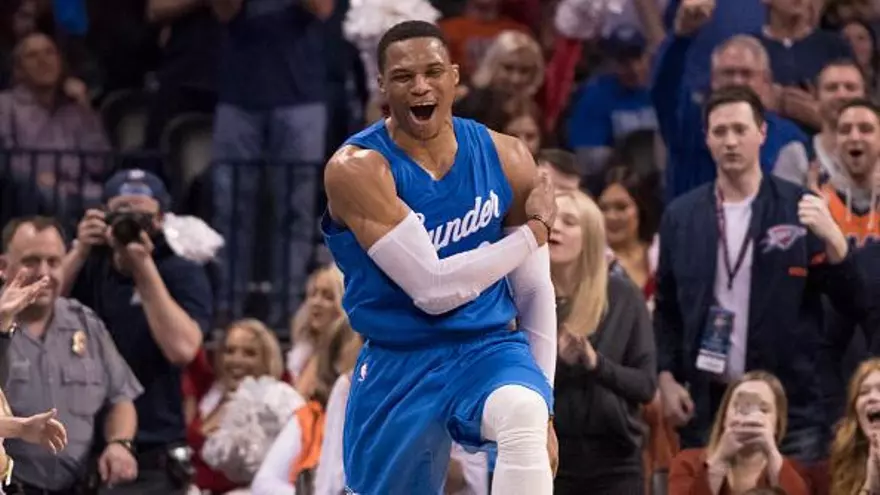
<point>531,284</point>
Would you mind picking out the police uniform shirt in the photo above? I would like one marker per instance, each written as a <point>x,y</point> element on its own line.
<point>76,369</point>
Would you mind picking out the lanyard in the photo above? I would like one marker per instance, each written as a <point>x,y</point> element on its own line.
<point>722,233</point>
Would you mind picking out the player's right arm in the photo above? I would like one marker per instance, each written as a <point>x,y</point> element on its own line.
<point>362,196</point>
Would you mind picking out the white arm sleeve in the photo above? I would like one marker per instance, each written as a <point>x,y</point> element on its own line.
<point>273,477</point>
<point>407,255</point>
<point>536,304</point>
<point>330,474</point>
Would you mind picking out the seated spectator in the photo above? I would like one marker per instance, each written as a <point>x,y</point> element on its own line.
<point>521,119</point>
<point>247,349</point>
<point>560,166</point>
<point>862,41</point>
<point>87,376</point>
<point>612,105</point>
<point>157,306</point>
<point>632,217</point>
<point>741,60</point>
<point>798,50</point>
<point>606,367</point>
<point>470,35</point>
<point>45,113</point>
<point>336,350</point>
<point>743,450</point>
<point>512,70</point>
<point>855,451</point>
<point>321,312</point>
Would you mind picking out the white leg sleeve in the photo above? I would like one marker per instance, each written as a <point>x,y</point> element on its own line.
<point>516,417</point>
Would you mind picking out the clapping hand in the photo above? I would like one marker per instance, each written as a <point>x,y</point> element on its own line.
<point>18,294</point>
<point>43,429</point>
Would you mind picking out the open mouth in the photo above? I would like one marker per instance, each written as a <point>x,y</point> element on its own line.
<point>874,417</point>
<point>422,112</point>
<point>856,153</point>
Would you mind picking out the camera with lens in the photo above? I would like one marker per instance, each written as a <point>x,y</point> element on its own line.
<point>126,226</point>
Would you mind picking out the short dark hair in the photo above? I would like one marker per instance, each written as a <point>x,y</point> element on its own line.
<point>563,161</point>
<point>407,30</point>
<point>734,94</point>
<point>39,222</point>
<point>860,103</point>
<point>841,62</point>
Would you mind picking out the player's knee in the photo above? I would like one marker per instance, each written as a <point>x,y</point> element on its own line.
<point>518,416</point>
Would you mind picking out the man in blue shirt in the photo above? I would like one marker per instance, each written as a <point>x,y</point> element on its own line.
<point>612,105</point>
<point>741,60</point>
<point>272,111</point>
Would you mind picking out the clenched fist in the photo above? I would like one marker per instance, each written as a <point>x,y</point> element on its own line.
<point>813,213</point>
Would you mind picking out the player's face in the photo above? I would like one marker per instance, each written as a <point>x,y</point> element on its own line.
<point>419,84</point>
<point>868,404</point>
<point>621,215</point>
<point>734,137</point>
<point>858,140</point>
<point>836,86</point>
<point>566,238</point>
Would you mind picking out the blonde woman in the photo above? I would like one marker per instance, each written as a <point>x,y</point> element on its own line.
<point>249,349</point>
<point>606,367</point>
<point>512,69</point>
<point>743,451</point>
<point>855,452</point>
<point>319,314</point>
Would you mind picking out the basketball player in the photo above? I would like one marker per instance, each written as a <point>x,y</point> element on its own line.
<point>419,205</point>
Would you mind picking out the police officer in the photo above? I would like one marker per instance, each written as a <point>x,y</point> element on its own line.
<point>157,307</point>
<point>62,357</point>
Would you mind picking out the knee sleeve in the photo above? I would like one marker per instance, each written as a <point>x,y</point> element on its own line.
<point>516,418</point>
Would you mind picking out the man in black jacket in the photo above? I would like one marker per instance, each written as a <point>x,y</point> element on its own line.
<point>743,264</point>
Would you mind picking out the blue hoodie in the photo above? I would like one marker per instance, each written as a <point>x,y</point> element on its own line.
<point>679,115</point>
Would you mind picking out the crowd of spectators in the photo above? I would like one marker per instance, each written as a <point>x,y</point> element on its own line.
<point>160,179</point>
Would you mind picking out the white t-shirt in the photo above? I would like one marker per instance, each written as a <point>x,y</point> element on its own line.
<point>737,219</point>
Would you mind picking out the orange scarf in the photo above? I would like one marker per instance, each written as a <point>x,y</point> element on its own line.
<point>311,425</point>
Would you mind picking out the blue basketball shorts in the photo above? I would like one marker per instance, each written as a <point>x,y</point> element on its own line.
<point>406,406</point>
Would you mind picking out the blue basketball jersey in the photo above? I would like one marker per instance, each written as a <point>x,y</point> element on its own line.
<point>462,211</point>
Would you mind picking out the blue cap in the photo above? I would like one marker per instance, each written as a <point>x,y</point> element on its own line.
<point>624,42</point>
<point>137,182</point>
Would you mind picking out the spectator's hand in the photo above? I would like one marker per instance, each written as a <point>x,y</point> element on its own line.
<point>76,90</point>
<point>18,294</point>
<point>552,448</point>
<point>570,347</point>
<point>760,434</point>
<point>872,470</point>
<point>135,255</point>
<point>43,429</point>
<point>678,407</point>
<point>813,213</point>
<point>92,231</point>
<point>733,439</point>
<point>692,15</point>
<point>800,105</point>
<point>117,465</point>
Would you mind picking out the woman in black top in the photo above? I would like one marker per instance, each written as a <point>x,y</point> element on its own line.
<point>607,362</point>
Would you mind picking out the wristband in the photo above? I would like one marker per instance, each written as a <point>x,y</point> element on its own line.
<point>546,225</point>
<point>128,444</point>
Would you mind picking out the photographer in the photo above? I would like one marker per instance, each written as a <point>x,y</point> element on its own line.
<point>157,307</point>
